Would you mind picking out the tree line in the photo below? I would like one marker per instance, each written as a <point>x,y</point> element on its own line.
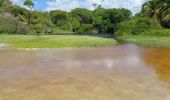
<point>18,20</point>
<point>154,19</point>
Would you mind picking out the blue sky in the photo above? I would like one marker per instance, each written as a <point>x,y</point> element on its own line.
<point>67,5</point>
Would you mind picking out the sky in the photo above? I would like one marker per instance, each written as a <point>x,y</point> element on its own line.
<point>67,5</point>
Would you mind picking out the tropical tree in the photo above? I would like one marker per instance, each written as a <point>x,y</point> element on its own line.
<point>57,16</point>
<point>80,19</point>
<point>5,5</point>
<point>5,2</point>
<point>29,3</point>
<point>74,24</point>
<point>159,9</point>
<point>60,19</point>
<point>105,20</point>
<point>83,15</point>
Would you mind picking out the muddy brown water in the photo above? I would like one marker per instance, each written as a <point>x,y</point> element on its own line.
<point>124,72</point>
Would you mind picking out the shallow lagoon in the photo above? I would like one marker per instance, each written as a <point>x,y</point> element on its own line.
<point>123,72</point>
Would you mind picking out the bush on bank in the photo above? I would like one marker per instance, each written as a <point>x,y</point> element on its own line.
<point>137,26</point>
<point>157,32</point>
<point>11,25</point>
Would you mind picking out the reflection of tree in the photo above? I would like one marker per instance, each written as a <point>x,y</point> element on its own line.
<point>159,59</point>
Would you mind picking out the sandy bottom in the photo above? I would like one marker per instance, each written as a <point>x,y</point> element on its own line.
<point>2,45</point>
<point>124,72</point>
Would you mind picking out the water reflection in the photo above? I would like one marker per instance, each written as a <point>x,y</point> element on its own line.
<point>125,72</point>
<point>159,59</point>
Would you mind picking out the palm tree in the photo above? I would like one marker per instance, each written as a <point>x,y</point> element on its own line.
<point>157,8</point>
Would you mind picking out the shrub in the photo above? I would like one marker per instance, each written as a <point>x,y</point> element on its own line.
<point>42,26</point>
<point>11,25</point>
<point>137,26</point>
<point>74,24</point>
<point>158,32</point>
<point>38,28</point>
<point>57,30</point>
<point>85,28</point>
<point>22,28</point>
<point>142,25</point>
<point>8,24</point>
<point>126,27</point>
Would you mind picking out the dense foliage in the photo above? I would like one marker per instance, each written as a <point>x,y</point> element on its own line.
<point>10,24</point>
<point>154,16</point>
<point>154,13</point>
<point>137,26</point>
<point>78,20</point>
<point>29,4</point>
<point>160,9</point>
<point>105,20</point>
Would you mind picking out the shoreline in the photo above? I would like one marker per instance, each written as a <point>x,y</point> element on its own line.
<point>29,42</point>
<point>4,45</point>
<point>147,41</point>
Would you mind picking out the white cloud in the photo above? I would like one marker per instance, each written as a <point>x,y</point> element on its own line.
<point>18,2</point>
<point>67,5</point>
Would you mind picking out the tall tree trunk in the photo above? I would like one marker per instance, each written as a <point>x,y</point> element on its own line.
<point>159,15</point>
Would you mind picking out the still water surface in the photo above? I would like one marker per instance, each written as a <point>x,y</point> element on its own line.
<point>125,72</point>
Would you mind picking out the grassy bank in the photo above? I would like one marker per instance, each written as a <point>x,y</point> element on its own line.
<point>148,41</point>
<point>55,41</point>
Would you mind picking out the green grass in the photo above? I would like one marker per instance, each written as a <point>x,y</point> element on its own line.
<point>157,32</point>
<point>148,41</point>
<point>55,41</point>
<point>57,31</point>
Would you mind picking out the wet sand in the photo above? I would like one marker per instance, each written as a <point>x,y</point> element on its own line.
<point>125,72</point>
